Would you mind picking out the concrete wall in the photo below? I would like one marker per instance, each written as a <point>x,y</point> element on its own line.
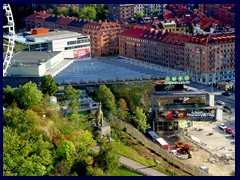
<point>24,71</point>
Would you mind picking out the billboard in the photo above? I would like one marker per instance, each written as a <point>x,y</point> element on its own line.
<point>81,53</point>
<point>188,114</point>
<point>174,80</point>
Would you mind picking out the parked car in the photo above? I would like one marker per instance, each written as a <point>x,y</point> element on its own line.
<point>226,93</point>
<point>229,131</point>
<point>222,126</point>
<point>228,108</point>
<point>220,102</point>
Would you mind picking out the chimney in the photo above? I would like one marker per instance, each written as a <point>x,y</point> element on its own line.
<point>100,21</point>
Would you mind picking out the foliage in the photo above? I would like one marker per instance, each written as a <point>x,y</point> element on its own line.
<point>72,95</point>
<point>8,95</point>
<point>48,85</point>
<point>94,171</point>
<point>140,120</point>
<point>22,121</point>
<point>106,97</point>
<point>122,111</point>
<point>155,12</point>
<point>108,158</point>
<point>83,140</point>
<point>66,151</point>
<point>122,171</point>
<point>28,95</point>
<point>73,11</point>
<point>61,10</point>
<point>88,12</point>
<point>23,157</point>
<point>17,46</point>
<point>139,14</point>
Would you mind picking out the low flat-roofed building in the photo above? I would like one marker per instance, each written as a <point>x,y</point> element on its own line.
<point>73,44</point>
<point>33,63</point>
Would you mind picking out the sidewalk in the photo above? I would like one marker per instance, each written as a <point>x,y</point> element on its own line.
<point>147,171</point>
<point>135,166</point>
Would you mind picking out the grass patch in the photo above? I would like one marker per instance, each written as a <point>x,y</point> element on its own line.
<point>122,171</point>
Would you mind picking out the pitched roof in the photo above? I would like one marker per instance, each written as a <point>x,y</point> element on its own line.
<point>136,31</point>
<point>53,18</point>
<point>64,20</point>
<point>39,15</point>
<point>214,38</point>
<point>78,23</point>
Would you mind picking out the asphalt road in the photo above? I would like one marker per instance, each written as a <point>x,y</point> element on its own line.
<point>229,100</point>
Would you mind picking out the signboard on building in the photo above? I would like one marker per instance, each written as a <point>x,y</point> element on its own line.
<point>81,53</point>
<point>188,114</point>
<point>168,80</point>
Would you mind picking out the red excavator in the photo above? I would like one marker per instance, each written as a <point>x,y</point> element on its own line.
<point>183,149</point>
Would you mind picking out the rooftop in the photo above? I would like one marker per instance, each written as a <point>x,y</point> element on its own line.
<point>136,31</point>
<point>52,35</point>
<point>64,20</point>
<point>33,57</point>
<point>112,70</point>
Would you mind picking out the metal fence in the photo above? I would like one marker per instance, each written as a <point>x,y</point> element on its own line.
<point>191,169</point>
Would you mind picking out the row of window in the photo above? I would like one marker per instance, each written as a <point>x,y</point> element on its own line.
<point>79,41</point>
<point>76,47</point>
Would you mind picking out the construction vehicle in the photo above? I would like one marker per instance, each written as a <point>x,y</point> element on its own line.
<point>183,149</point>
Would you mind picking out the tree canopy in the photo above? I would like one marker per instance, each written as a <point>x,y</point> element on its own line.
<point>88,12</point>
<point>72,95</point>
<point>140,120</point>
<point>106,97</point>
<point>28,95</point>
<point>139,14</point>
<point>48,85</point>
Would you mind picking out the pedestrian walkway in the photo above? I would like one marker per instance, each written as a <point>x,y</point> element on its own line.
<point>133,165</point>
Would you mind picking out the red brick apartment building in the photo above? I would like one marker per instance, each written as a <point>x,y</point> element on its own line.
<point>154,46</point>
<point>104,37</point>
<point>211,58</point>
<point>36,20</point>
<point>223,12</point>
<point>206,58</point>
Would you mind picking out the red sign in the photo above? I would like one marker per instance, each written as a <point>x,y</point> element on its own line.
<point>80,53</point>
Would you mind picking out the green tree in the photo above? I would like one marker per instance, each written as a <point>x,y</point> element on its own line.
<point>73,11</point>
<point>83,140</point>
<point>62,10</point>
<point>48,85</point>
<point>108,158</point>
<point>140,120</point>
<point>72,95</point>
<point>139,14</point>
<point>106,97</point>
<point>103,15</point>
<point>25,157</point>
<point>122,110</point>
<point>28,95</point>
<point>50,11</point>
<point>66,151</point>
<point>155,12</point>
<point>88,12</point>
<point>8,95</point>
